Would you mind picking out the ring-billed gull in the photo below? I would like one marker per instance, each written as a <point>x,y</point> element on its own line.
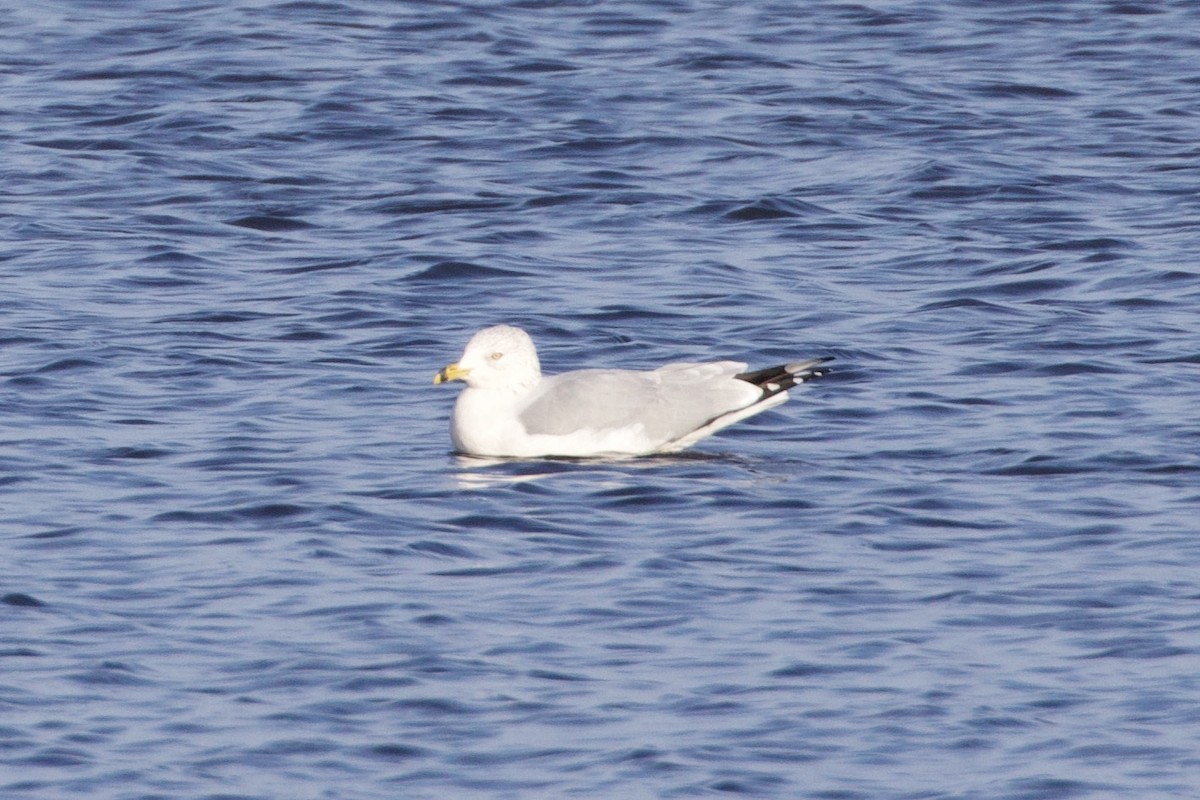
<point>509,409</point>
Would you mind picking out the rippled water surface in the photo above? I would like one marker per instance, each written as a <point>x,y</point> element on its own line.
<point>238,559</point>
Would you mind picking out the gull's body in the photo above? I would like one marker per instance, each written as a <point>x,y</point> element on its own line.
<point>510,409</point>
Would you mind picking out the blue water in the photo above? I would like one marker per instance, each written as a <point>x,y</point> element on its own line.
<point>238,559</point>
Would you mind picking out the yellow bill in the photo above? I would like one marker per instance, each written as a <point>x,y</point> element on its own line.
<point>451,373</point>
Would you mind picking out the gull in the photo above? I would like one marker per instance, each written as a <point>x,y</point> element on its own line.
<point>509,409</point>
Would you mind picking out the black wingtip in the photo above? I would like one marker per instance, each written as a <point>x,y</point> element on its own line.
<point>774,380</point>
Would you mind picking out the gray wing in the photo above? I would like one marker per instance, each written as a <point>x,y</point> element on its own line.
<point>669,402</point>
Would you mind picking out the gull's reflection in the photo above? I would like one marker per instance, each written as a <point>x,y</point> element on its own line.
<point>481,472</point>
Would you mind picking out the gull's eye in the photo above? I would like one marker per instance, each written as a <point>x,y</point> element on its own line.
<point>496,356</point>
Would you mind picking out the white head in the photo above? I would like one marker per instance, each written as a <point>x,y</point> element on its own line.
<point>500,357</point>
